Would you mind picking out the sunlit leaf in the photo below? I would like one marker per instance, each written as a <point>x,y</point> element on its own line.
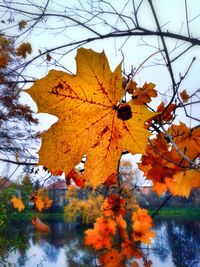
<point>186,181</point>
<point>91,121</point>
<point>143,94</point>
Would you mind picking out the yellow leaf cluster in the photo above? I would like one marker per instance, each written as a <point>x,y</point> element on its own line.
<point>87,211</point>
<point>17,203</point>
<point>41,200</point>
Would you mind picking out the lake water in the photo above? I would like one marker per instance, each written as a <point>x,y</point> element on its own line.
<point>177,245</point>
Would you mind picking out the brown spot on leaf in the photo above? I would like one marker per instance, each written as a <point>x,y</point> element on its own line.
<point>104,130</point>
<point>124,112</point>
<point>59,86</point>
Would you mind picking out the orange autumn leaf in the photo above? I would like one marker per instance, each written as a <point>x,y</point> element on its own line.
<point>22,24</point>
<point>39,204</point>
<point>142,234</point>
<point>185,181</point>
<point>184,96</point>
<point>160,188</point>
<point>41,199</point>
<point>164,114</point>
<point>23,50</point>
<point>111,258</point>
<point>129,250</point>
<point>121,223</point>
<point>39,225</point>
<point>3,60</point>
<point>47,202</point>
<point>170,183</point>
<point>111,180</point>
<point>101,236</point>
<point>187,140</point>
<point>76,176</point>
<point>135,264</point>
<point>119,257</point>
<point>163,162</point>
<point>113,206</point>
<point>17,203</point>
<point>91,120</point>
<point>131,87</point>
<point>143,94</point>
<point>142,222</point>
<point>142,215</point>
<point>56,173</point>
<point>157,165</point>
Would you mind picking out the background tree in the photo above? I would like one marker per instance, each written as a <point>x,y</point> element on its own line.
<point>26,189</point>
<point>16,134</point>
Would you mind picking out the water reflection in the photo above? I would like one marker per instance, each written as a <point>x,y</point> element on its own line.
<point>177,245</point>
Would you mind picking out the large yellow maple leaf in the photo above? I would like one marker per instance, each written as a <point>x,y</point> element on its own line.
<point>91,119</point>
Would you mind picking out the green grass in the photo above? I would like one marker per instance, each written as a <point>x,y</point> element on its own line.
<point>27,215</point>
<point>182,212</point>
<point>165,212</point>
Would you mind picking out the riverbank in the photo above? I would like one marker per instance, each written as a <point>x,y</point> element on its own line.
<point>27,215</point>
<point>183,212</point>
<point>166,212</point>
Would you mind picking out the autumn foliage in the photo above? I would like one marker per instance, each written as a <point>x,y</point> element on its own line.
<point>142,223</point>
<point>96,121</point>
<point>41,199</point>
<point>17,203</point>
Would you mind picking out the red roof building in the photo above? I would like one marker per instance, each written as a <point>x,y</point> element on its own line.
<point>5,183</point>
<point>56,192</point>
<point>59,184</point>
